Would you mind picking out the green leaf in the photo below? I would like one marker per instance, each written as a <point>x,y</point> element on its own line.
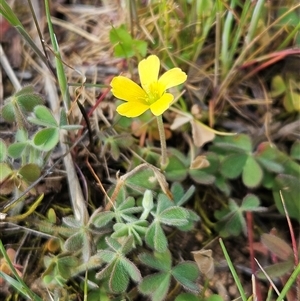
<point>127,245</point>
<point>3,150</point>
<point>63,119</point>
<point>232,165</point>
<point>103,218</point>
<point>188,297</point>
<point>8,112</point>
<point>186,273</point>
<point>122,42</point>
<point>155,285</point>
<point>177,191</point>
<point>74,243</point>
<point>147,201</point>
<point>119,279</point>
<point>113,243</point>
<point>30,172</point>
<point>140,47</point>
<point>289,19</point>
<point>201,177</point>
<point>174,216</point>
<point>163,202</point>
<point>290,189</point>
<point>252,173</point>
<point>155,237</point>
<point>29,101</point>
<point>131,269</point>
<point>43,117</point>
<point>176,169</point>
<point>64,265</point>
<point>250,203</point>
<point>21,135</point>
<point>144,179</point>
<point>267,156</point>
<point>278,86</point>
<point>107,255</point>
<point>159,261</point>
<point>71,222</point>
<point>25,90</point>
<point>46,139</point>
<point>295,150</point>
<point>214,163</point>
<point>231,222</point>
<point>222,184</point>
<point>237,143</point>
<point>16,149</point>
<point>179,196</point>
<point>137,229</point>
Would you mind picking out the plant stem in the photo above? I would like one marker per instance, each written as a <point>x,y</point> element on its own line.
<point>162,137</point>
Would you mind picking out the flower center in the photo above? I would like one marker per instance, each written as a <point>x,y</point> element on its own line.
<point>154,92</point>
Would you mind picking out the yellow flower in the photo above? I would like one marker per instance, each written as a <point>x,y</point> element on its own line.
<point>152,95</point>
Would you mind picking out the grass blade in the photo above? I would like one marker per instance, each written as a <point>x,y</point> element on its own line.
<point>233,271</point>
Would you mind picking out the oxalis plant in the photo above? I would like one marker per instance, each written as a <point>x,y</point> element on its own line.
<point>117,243</point>
<point>131,233</point>
<point>24,159</point>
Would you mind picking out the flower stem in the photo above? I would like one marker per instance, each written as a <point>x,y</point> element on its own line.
<point>164,159</point>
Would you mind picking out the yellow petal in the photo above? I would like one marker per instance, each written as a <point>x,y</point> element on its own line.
<point>161,105</point>
<point>125,89</point>
<point>132,109</point>
<point>172,78</point>
<point>148,71</point>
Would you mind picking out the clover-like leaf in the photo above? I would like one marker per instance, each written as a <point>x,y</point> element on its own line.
<point>46,139</point>
<point>174,216</point>
<point>119,269</point>
<point>290,191</point>
<point>19,105</point>
<point>232,220</point>
<point>137,229</point>
<point>156,286</point>
<point>232,165</point>
<point>43,117</point>
<point>147,203</point>
<point>30,172</point>
<point>71,222</point>
<point>65,265</point>
<point>186,273</point>
<point>3,150</point>
<point>239,143</point>
<point>268,156</point>
<point>176,169</point>
<point>8,112</point>
<point>251,203</point>
<point>101,219</point>
<point>161,261</point>
<point>75,242</point>
<point>180,197</point>
<point>156,238</point>
<point>131,269</point>
<point>119,278</point>
<point>252,173</point>
<point>15,150</point>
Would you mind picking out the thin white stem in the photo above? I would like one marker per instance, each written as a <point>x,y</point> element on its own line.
<point>162,137</point>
